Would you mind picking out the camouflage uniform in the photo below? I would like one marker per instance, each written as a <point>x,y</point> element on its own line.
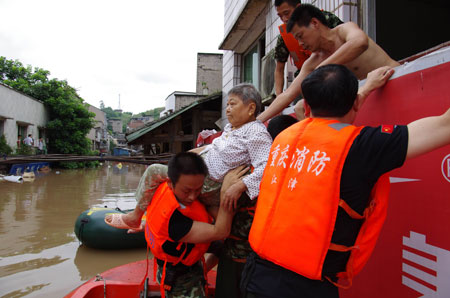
<point>191,282</point>
<point>282,52</point>
<point>235,251</point>
<point>237,245</point>
<point>188,282</point>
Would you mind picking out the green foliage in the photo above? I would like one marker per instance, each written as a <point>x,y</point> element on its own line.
<point>70,119</point>
<point>112,145</point>
<point>69,165</point>
<point>110,113</point>
<point>4,147</point>
<point>154,112</point>
<point>92,164</point>
<point>25,150</point>
<point>126,116</point>
<point>94,153</point>
<point>78,165</point>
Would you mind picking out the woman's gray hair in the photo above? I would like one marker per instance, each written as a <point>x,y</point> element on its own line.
<point>247,93</point>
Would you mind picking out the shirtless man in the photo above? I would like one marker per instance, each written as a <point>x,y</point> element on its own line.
<point>346,44</point>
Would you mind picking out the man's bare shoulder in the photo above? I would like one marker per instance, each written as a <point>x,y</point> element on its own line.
<point>346,28</point>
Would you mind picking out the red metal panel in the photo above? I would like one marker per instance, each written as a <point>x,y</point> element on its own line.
<point>419,209</point>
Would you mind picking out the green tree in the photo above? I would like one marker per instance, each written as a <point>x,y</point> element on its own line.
<point>125,117</point>
<point>4,147</point>
<point>70,119</point>
<point>110,114</point>
<point>154,112</point>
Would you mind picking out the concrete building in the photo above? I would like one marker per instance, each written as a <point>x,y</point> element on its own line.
<point>251,31</point>
<point>99,133</point>
<point>116,125</point>
<point>177,100</point>
<point>209,73</point>
<point>138,122</point>
<point>209,81</point>
<point>22,115</point>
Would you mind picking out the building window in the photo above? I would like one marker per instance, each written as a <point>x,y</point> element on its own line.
<point>41,133</point>
<point>251,66</point>
<point>2,127</point>
<point>252,62</point>
<point>22,130</point>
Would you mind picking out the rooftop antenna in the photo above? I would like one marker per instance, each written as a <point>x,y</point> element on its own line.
<point>119,101</point>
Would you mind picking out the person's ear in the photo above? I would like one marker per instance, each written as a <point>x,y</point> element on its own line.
<point>307,109</point>
<point>357,103</point>
<point>171,186</point>
<point>251,109</point>
<point>314,23</point>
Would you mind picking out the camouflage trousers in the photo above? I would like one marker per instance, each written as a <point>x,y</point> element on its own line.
<point>235,251</point>
<point>190,284</point>
<point>236,246</point>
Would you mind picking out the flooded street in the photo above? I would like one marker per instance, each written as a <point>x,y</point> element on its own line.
<point>40,255</point>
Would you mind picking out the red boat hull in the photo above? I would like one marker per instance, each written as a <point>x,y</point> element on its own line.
<point>127,281</point>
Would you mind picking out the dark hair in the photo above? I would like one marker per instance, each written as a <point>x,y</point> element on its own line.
<point>186,163</point>
<point>279,123</point>
<point>247,92</point>
<point>303,14</point>
<point>292,3</point>
<point>330,90</point>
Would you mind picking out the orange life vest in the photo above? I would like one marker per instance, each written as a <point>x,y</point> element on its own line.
<point>300,196</point>
<point>159,212</point>
<point>296,51</point>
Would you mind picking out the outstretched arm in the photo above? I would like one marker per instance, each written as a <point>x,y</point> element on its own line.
<point>355,43</point>
<point>375,79</point>
<point>201,232</point>
<point>427,134</point>
<point>295,89</point>
<point>279,77</point>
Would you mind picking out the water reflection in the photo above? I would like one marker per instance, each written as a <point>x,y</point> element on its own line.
<point>39,253</point>
<point>105,260</point>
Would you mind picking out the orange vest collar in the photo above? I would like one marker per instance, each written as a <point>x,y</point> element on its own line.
<point>296,51</point>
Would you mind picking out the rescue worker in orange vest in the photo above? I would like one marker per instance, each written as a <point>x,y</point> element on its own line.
<point>345,44</point>
<point>324,191</point>
<point>179,230</point>
<point>287,46</point>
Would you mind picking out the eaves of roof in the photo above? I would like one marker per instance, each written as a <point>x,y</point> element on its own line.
<point>153,125</point>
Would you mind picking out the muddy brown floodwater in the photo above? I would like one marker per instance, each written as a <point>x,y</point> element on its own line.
<point>40,255</point>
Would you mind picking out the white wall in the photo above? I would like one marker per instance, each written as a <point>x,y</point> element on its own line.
<point>346,10</point>
<point>15,108</point>
<point>100,122</point>
<point>209,73</point>
<point>170,105</point>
